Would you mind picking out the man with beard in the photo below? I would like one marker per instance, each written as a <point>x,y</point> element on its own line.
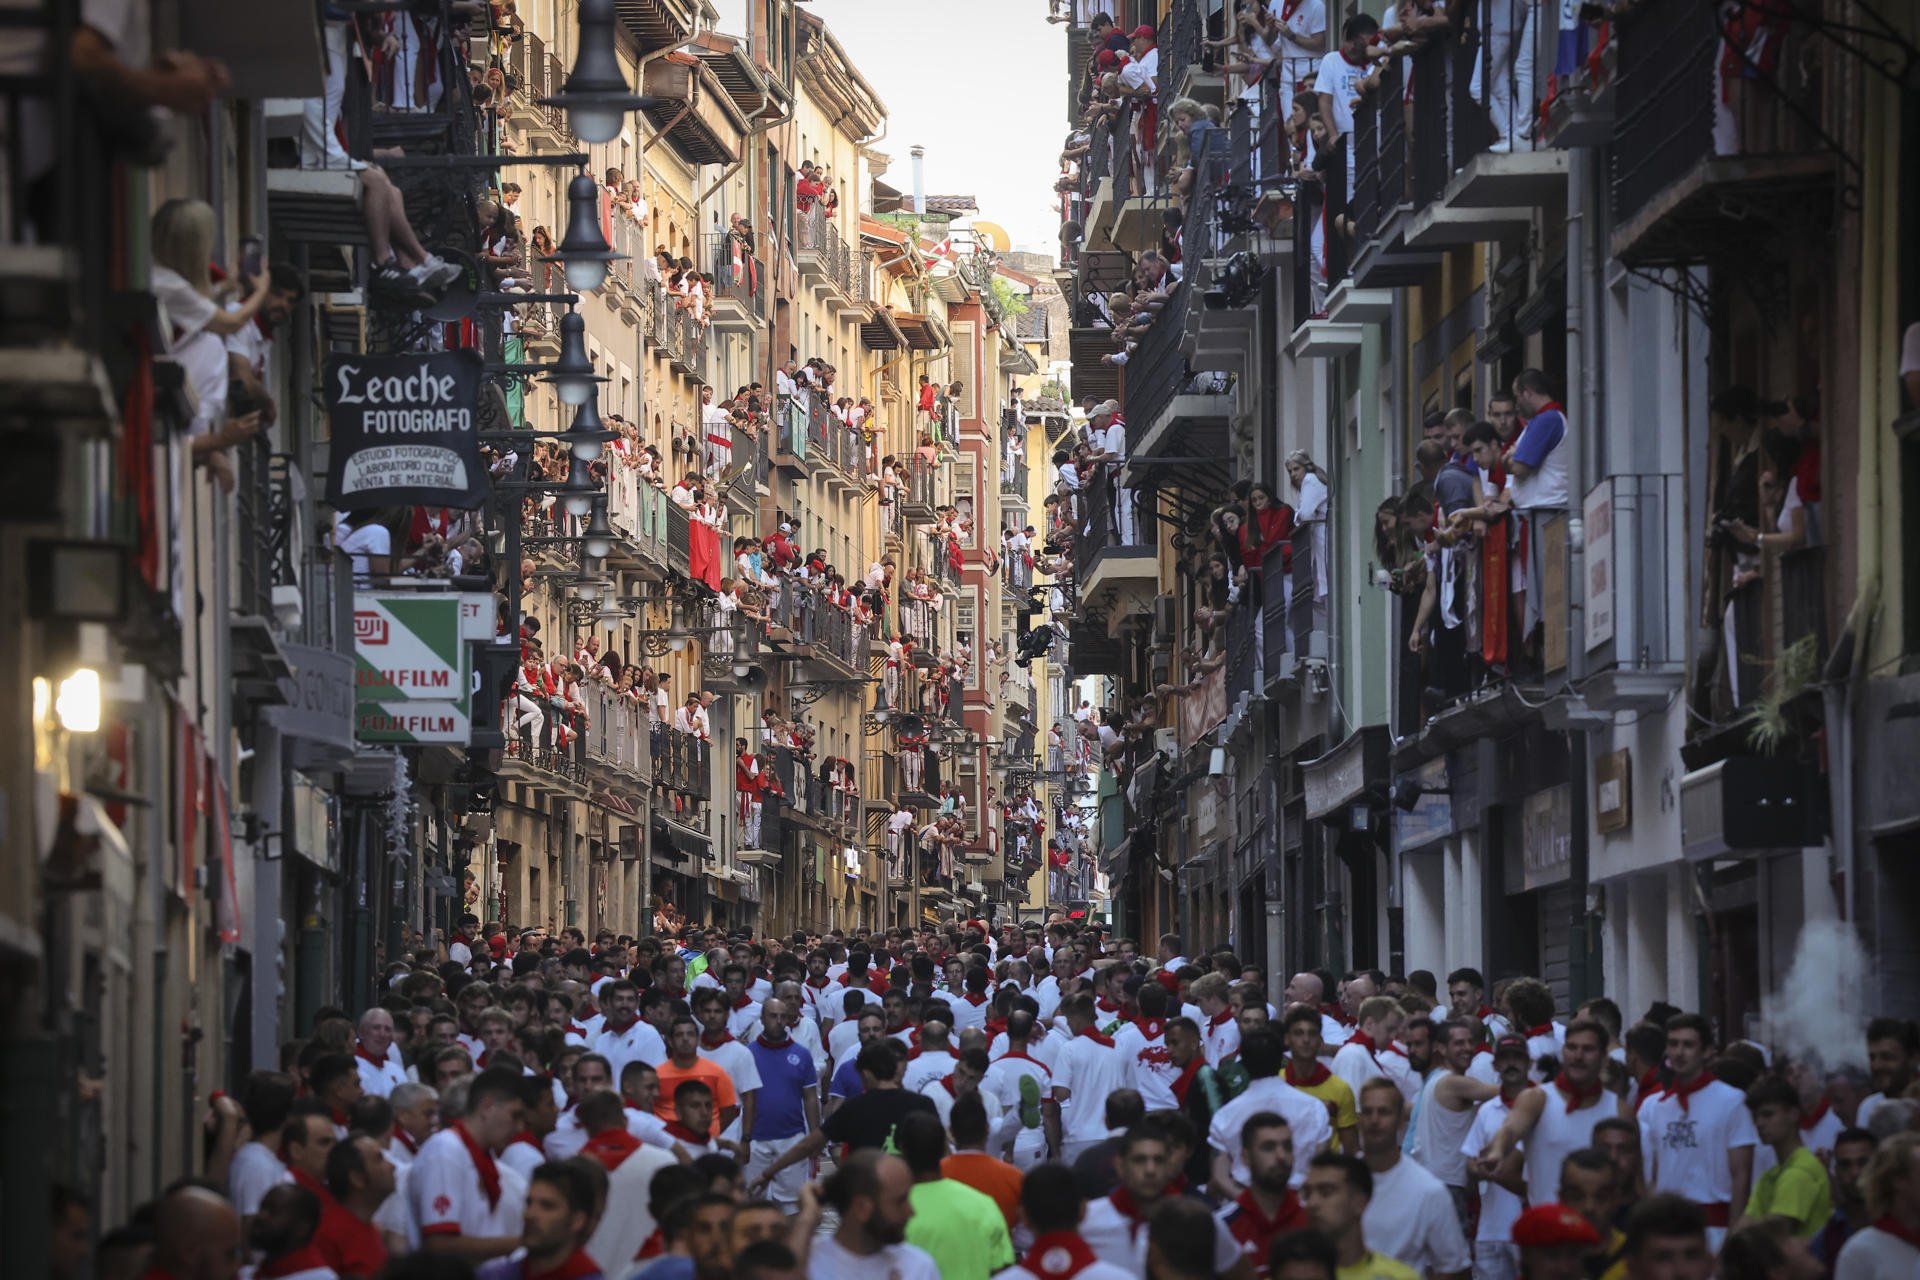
<point>1556,1118</point>
<point>1892,1046</point>
<point>1445,1110</point>
<point>359,1180</point>
<point>556,1221</point>
<point>1851,1152</point>
<point>1495,1256</point>
<point>1336,1193</point>
<point>283,1232</point>
<point>1307,1116</point>
<point>624,1037</point>
<point>1267,1207</point>
<point>1115,1225</point>
<point>872,1192</point>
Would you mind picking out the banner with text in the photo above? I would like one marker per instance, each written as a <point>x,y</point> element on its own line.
<point>404,431</point>
<point>413,671</point>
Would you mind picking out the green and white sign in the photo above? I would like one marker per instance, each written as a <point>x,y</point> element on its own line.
<point>413,675</point>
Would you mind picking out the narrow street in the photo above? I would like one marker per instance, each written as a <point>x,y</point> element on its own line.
<point>654,640</point>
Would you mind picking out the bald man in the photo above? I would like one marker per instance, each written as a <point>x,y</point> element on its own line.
<point>196,1236</point>
<point>1306,988</point>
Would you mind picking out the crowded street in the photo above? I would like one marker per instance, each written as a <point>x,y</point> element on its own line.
<point>656,640</point>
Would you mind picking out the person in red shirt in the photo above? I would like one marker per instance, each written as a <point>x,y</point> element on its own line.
<point>283,1232</point>
<point>359,1179</point>
<point>749,782</point>
<point>1268,1207</point>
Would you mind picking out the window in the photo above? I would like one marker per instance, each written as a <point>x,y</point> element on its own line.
<point>966,772</point>
<point>963,367</point>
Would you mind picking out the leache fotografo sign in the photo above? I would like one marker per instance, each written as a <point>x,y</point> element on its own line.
<point>412,673</point>
<point>404,431</point>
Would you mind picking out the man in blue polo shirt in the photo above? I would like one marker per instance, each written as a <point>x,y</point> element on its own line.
<point>1538,464</point>
<point>787,1108</point>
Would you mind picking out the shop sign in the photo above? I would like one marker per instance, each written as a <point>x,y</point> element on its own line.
<point>1431,817</point>
<point>1546,837</point>
<point>404,431</point>
<point>412,669</point>
<point>319,697</point>
<point>1599,564</point>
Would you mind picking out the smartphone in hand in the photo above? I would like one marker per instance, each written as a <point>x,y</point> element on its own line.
<point>252,257</point>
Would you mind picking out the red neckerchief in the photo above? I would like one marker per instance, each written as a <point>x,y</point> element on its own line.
<point>1317,1076</point>
<point>1151,1028</point>
<point>578,1266</point>
<point>307,1259</point>
<point>742,1002</point>
<point>709,1042</point>
<point>482,1162</point>
<point>1289,8</point>
<point>1290,1212</point>
<point>1544,1029</point>
<point>576,1029</point>
<point>1094,1034</point>
<point>340,1117</point>
<point>526,1136</point>
<point>312,1184</point>
<point>1682,1092</point>
<point>652,1247</point>
<point>975,998</point>
<point>1365,1041</point>
<point>1816,1115</point>
<point>946,1082</point>
<point>683,1133</point>
<point>820,983</point>
<point>1058,1255</point>
<point>611,1147</point>
<point>1184,1081</point>
<point>1510,1098</point>
<point>1897,1229</point>
<point>405,1139</point>
<point>1337,1013</point>
<point>1219,1019</point>
<point>1136,1216</point>
<point>1576,1096</point>
<point>765,1043</point>
<point>362,1054</point>
<point>996,1027</point>
<point>1105,1005</point>
<point>1350,62</point>
<point>1484,1012</point>
<point>1650,1087</point>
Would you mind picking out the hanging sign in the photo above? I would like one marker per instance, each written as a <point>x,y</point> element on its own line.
<point>404,431</point>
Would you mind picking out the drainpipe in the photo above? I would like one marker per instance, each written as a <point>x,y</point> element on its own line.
<point>1583,382</point>
<point>919,154</point>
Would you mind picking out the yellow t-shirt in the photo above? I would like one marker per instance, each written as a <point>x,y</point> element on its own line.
<point>1377,1266</point>
<point>1338,1095</point>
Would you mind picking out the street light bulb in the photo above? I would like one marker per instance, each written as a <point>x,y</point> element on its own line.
<point>595,124</point>
<point>575,391</point>
<point>586,450</point>
<point>598,547</point>
<point>677,643</point>
<point>609,620</point>
<point>78,702</point>
<point>584,275</point>
<point>577,504</point>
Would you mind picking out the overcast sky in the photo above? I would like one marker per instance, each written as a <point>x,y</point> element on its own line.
<point>978,84</point>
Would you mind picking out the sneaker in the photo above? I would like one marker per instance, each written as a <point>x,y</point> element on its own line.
<point>435,273</point>
<point>1029,1102</point>
<point>390,281</point>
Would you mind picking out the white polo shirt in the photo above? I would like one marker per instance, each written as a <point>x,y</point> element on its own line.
<point>1220,1037</point>
<point>1088,1071</point>
<point>449,1194</point>
<point>1115,1238</point>
<point>638,1043</point>
<point>1499,1207</point>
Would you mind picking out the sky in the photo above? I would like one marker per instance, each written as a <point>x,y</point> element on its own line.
<point>978,84</point>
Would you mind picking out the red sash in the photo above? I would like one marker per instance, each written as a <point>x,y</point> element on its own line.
<point>1058,1255</point>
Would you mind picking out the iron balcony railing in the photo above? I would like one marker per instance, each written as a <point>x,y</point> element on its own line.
<point>1102,529</point>
<point>1450,127</point>
<point>679,537</point>
<point>637,511</point>
<point>740,279</point>
<point>616,734</point>
<point>684,765</point>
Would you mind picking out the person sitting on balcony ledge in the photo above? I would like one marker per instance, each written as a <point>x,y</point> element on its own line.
<point>1538,463</point>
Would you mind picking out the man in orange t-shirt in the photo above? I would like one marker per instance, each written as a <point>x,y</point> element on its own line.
<point>971,1165</point>
<point>685,1062</point>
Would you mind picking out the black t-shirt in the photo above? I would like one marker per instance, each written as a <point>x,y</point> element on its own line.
<point>869,1120</point>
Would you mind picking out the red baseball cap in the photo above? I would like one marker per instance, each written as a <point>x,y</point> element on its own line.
<point>1505,1043</point>
<point>1144,32</point>
<point>1549,1226</point>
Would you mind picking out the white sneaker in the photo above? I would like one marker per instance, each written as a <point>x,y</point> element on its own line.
<point>435,273</point>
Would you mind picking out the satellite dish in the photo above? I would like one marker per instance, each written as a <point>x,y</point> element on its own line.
<point>992,235</point>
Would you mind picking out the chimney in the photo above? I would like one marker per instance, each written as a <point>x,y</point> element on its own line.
<point>919,155</point>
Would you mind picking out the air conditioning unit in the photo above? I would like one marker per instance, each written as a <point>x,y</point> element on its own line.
<point>1167,742</point>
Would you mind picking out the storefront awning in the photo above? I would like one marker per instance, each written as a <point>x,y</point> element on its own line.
<point>1353,772</point>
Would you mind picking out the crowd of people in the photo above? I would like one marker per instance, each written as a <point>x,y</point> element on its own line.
<point>1021,1101</point>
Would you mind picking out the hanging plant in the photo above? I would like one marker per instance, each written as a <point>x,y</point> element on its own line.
<point>1770,722</point>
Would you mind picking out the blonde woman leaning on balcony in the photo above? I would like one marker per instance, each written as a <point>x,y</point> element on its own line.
<point>1311,510</point>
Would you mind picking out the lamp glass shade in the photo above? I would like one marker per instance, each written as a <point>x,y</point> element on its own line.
<point>598,544</point>
<point>584,275</point>
<point>595,125</point>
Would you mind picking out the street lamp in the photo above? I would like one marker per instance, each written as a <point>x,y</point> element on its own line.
<point>583,253</point>
<point>576,497</point>
<point>596,97</point>
<point>597,538</point>
<point>586,439</point>
<point>572,376</point>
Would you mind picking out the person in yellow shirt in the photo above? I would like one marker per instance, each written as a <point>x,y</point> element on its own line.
<point>1305,1072</point>
<point>1336,1193</point>
<point>1796,1187</point>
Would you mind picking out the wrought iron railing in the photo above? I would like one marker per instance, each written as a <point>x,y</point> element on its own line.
<point>684,764</point>
<point>1103,529</point>
<point>740,280</point>
<point>679,537</point>
<point>616,735</point>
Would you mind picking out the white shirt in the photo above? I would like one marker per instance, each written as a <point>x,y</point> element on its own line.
<point>1411,1218</point>
<point>1557,1132</point>
<point>1685,1152</point>
<point>1337,79</point>
<point>842,1039</point>
<point>737,1061</point>
<point>1310,20</point>
<point>1142,72</point>
<point>253,1172</point>
<point>926,1066</point>
<point>1043,1046</point>
<point>966,1013</point>
<point>1151,1065</point>
<point>523,1157</point>
<point>1087,1071</point>
<point>638,1043</point>
<point>1499,1207</point>
<point>378,1078</point>
<point>444,1188</point>
<point>369,540</point>
<point>830,1260</point>
<point>1873,1254</point>
<point>1305,1114</point>
<point>1117,1239</point>
<point>1354,1064</point>
<point>1095,1270</point>
<point>1220,1039</point>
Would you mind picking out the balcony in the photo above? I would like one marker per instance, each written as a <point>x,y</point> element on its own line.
<point>537,74</point>
<point>832,443</point>
<point>553,753</point>
<point>684,765</point>
<point>747,471</point>
<point>1382,202</point>
<point>626,281</point>
<point>790,438</point>
<point>1116,562</point>
<point>1169,413</point>
<point>637,511</point>
<point>659,24</point>
<point>617,734</point>
<point>1187,67</point>
<point>734,660</point>
<point>1579,111</point>
<point>697,117</point>
<point>663,325</point>
<point>1701,173</point>
<point>920,493</point>
<point>679,539</point>
<point>738,285</point>
<point>1468,185</point>
<point>1636,632</point>
<point>825,261</point>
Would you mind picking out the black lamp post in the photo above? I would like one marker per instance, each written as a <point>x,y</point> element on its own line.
<point>572,376</point>
<point>583,254</point>
<point>576,497</point>
<point>587,438</point>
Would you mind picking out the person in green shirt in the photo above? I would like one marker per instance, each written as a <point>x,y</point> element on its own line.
<point>963,1229</point>
<point>1797,1187</point>
<point>1336,1193</point>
